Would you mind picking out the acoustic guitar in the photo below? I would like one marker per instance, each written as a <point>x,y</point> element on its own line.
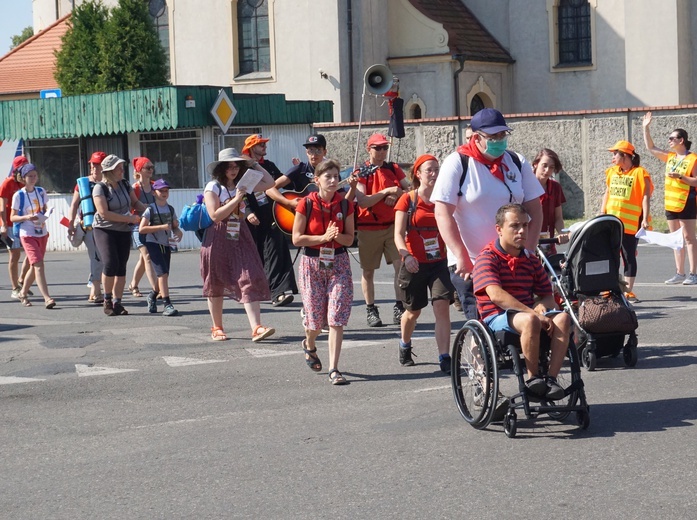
<point>285,217</point>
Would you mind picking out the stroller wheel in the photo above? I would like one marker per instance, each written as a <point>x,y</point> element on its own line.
<point>583,418</point>
<point>588,359</point>
<point>630,354</point>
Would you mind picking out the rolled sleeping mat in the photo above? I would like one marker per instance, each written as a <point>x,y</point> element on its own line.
<point>86,203</point>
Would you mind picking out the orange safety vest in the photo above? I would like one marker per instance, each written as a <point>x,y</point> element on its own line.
<point>625,193</point>
<point>676,190</point>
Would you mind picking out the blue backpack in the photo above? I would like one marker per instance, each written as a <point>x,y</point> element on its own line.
<point>42,201</point>
<point>195,217</point>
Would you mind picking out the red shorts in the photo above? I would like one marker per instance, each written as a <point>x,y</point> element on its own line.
<point>35,248</point>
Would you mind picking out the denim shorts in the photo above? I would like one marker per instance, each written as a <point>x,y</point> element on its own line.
<point>502,321</point>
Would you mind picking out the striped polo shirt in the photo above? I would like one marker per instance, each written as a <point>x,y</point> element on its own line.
<point>522,277</point>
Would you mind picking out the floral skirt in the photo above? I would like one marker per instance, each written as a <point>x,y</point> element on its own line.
<point>327,293</point>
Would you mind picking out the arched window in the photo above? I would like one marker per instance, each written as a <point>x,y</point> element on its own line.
<point>574,32</point>
<point>160,19</point>
<point>415,112</point>
<point>254,47</point>
<point>476,104</point>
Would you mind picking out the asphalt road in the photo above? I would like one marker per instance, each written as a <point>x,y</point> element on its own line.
<point>144,417</point>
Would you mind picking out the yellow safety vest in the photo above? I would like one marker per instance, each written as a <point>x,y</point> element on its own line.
<point>676,190</point>
<point>625,193</point>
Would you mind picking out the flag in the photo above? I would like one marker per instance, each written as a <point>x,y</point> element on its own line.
<point>8,151</point>
<point>672,240</point>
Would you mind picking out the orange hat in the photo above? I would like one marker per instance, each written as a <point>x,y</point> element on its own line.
<point>377,140</point>
<point>422,159</point>
<point>623,146</point>
<point>252,141</point>
<point>97,158</point>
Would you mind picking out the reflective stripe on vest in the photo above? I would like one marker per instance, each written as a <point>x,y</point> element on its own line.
<point>676,191</point>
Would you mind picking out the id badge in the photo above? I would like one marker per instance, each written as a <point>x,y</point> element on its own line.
<point>261,198</point>
<point>326,257</point>
<point>431,248</point>
<point>233,229</point>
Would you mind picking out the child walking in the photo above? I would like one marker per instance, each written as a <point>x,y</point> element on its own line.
<point>158,223</point>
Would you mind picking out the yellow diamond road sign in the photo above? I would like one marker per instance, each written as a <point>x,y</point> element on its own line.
<point>223,111</point>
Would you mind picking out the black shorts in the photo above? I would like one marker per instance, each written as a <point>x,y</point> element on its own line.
<point>414,287</point>
<point>160,256</point>
<point>689,212</point>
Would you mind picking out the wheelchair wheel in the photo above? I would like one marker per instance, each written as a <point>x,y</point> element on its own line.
<point>510,424</point>
<point>474,375</point>
<point>570,373</point>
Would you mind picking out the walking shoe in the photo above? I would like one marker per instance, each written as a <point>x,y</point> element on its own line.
<point>282,299</point>
<point>554,391</point>
<point>170,310</point>
<point>457,304</point>
<point>119,310</point>
<point>15,294</point>
<point>690,279</point>
<point>536,386</point>
<point>631,297</point>
<point>445,363</point>
<point>501,409</point>
<point>675,280</point>
<point>109,308</point>
<point>373,316</point>
<point>152,303</point>
<point>405,357</point>
<point>397,312</point>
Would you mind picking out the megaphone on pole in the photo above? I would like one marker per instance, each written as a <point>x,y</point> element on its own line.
<point>378,79</point>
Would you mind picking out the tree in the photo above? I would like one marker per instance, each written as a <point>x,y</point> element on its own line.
<point>78,64</point>
<point>26,33</point>
<point>106,51</point>
<point>131,53</point>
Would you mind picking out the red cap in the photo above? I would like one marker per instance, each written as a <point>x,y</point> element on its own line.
<point>19,161</point>
<point>97,158</point>
<point>377,140</point>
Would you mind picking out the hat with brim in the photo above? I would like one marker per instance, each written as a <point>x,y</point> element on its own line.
<point>110,162</point>
<point>490,121</point>
<point>160,184</point>
<point>623,146</point>
<point>226,155</point>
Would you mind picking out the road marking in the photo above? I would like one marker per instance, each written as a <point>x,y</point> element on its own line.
<point>431,389</point>
<point>263,352</point>
<point>12,380</point>
<point>86,370</point>
<point>186,361</point>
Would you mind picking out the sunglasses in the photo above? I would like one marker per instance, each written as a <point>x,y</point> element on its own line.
<point>673,137</point>
<point>380,148</point>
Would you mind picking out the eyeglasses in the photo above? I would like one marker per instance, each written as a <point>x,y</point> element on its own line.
<point>674,137</point>
<point>314,151</point>
<point>431,171</point>
<point>380,148</point>
<point>496,137</point>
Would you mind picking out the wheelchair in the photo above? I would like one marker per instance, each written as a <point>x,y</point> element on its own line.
<point>479,361</point>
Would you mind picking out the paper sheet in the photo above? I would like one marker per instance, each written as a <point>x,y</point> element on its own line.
<point>249,180</point>
<point>672,240</point>
<point>43,217</point>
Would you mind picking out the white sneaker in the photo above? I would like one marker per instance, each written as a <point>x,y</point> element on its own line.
<point>15,294</point>
<point>675,280</point>
<point>691,279</point>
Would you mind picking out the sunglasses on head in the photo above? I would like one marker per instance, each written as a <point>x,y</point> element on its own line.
<point>381,148</point>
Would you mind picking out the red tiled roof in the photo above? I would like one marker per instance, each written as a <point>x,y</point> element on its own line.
<point>29,67</point>
<point>467,36</point>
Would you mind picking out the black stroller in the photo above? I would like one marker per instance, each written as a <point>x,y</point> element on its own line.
<point>587,280</point>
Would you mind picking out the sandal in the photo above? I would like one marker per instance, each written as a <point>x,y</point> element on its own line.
<point>260,332</point>
<point>24,300</point>
<point>135,292</point>
<point>218,334</point>
<point>97,300</point>
<point>314,363</point>
<point>338,378</point>
<point>50,303</point>
<point>282,299</point>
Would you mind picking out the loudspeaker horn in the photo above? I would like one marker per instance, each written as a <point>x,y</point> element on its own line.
<point>378,79</point>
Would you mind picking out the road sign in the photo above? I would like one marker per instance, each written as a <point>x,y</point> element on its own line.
<point>51,93</point>
<point>223,111</point>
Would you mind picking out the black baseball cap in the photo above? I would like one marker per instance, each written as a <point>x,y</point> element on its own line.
<point>316,140</point>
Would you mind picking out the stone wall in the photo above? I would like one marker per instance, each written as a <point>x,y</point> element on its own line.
<point>581,139</point>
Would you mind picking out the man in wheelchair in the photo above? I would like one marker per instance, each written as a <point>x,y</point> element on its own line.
<point>507,277</point>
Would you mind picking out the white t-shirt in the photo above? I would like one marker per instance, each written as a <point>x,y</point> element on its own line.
<point>221,191</point>
<point>482,195</point>
<point>30,203</point>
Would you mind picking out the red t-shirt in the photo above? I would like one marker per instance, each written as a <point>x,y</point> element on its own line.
<point>421,221</point>
<point>322,213</point>
<point>551,200</point>
<point>379,216</point>
<point>8,188</point>
<point>522,277</point>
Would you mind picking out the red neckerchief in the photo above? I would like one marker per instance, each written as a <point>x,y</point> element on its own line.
<point>494,166</point>
<point>512,261</point>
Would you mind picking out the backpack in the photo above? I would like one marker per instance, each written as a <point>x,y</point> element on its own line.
<point>17,225</point>
<point>464,159</point>
<point>195,217</point>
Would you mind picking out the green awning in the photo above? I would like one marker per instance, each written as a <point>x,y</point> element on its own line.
<point>147,110</point>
